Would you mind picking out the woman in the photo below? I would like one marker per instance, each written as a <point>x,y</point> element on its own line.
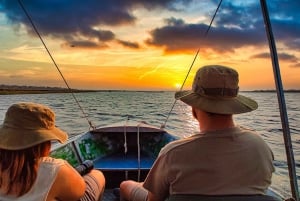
<point>27,172</point>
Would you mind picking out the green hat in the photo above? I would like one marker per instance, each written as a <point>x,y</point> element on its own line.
<point>215,90</point>
<point>29,124</point>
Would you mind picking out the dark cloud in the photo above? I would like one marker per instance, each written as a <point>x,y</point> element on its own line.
<point>282,56</point>
<point>84,44</point>
<point>99,34</point>
<point>284,17</point>
<point>179,36</point>
<point>129,44</point>
<point>75,20</point>
<point>261,56</point>
<point>239,16</point>
<point>62,17</point>
<point>288,57</point>
<point>235,26</point>
<point>297,65</point>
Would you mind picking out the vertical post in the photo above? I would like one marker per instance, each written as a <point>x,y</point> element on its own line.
<point>281,101</point>
<point>79,159</point>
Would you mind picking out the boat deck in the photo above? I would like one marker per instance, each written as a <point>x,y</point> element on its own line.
<point>119,167</point>
<point>124,162</point>
<point>109,196</point>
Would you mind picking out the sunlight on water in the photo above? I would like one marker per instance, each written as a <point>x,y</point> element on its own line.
<point>153,107</point>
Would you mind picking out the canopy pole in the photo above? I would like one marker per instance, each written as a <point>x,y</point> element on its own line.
<point>281,101</point>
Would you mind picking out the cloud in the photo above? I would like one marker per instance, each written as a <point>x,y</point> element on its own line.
<point>129,44</point>
<point>281,56</point>
<point>261,56</point>
<point>288,57</point>
<point>297,65</point>
<point>91,23</point>
<point>236,25</point>
<point>180,36</point>
<point>293,43</point>
<point>79,20</point>
<point>84,44</point>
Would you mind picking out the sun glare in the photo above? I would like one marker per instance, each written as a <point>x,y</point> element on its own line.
<point>177,86</point>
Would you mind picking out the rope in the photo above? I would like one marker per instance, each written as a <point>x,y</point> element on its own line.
<point>125,136</point>
<point>50,55</point>
<point>205,34</point>
<point>125,144</point>
<point>164,125</point>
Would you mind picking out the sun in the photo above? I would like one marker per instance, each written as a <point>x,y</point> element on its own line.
<point>177,85</point>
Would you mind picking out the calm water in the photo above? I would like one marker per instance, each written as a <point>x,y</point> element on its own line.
<point>153,107</point>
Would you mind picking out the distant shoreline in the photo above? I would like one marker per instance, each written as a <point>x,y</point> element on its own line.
<point>272,91</point>
<point>15,89</point>
<point>15,92</point>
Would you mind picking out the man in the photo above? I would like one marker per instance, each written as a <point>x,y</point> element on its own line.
<point>222,159</point>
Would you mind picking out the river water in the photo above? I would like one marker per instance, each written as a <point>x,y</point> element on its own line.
<point>106,107</point>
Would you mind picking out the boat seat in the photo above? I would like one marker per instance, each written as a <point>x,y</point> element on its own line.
<point>222,198</point>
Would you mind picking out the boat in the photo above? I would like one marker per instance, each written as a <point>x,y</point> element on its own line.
<point>123,150</point>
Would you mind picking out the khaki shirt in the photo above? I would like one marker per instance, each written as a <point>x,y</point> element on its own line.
<point>230,161</point>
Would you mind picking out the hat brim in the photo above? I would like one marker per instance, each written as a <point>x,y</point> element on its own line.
<point>235,105</point>
<point>16,139</point>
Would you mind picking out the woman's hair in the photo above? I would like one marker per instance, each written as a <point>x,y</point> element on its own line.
<point>18,168</point>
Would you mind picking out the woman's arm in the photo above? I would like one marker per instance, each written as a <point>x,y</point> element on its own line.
<point>68,186</point>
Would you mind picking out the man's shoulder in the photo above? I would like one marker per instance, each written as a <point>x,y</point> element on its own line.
<point>177,144</point>
<point>250,133</point>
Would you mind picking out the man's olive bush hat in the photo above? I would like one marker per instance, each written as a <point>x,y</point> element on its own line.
<point>215,90</point>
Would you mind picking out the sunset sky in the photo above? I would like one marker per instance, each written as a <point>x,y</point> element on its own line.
<point>143,44</point>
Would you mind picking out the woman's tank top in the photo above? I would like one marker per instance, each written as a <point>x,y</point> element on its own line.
<point>46,176</point>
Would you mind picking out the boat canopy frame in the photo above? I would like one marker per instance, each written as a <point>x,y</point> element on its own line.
<point>281,102</point>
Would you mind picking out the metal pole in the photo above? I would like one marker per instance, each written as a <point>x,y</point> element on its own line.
<point>281,101</point>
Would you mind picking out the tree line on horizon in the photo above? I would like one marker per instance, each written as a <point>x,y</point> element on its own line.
<point>25,89</point>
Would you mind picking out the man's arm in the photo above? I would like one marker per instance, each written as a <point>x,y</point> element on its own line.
<point>152,197</point>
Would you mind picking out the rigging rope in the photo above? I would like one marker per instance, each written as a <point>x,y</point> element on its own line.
<point>50,55</point>
<point>206,32</point>
<point>125,136</point>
